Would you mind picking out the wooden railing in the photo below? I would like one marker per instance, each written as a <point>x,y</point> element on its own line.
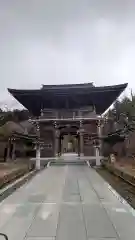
<point>67,115</point>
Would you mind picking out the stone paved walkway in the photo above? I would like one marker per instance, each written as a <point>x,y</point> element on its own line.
<point>66,203</point>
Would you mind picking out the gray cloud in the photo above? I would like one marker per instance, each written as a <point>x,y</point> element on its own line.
<point>57,41</point>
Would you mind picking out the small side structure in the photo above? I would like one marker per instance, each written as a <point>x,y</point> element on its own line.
<point>16,141</point>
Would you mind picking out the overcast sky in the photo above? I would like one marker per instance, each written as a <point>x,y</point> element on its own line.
<point>65,41</point>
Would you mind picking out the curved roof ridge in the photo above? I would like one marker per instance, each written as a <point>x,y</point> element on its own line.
<point>60,86</point>
<point>85,85</point>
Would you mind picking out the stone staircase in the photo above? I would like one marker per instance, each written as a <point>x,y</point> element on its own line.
<point>63,163</point>
<point>68,159</point>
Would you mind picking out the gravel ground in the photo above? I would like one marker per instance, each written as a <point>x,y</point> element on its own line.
<point>126,190</point>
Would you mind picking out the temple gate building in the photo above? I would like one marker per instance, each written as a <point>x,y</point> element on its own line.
<point>68,116</point>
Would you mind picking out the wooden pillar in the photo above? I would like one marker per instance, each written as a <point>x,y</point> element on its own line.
<point>38,160</point>
<point>98,148</point>
<point>81,139</point>
<point>13,151</point>
<point>8,150</point>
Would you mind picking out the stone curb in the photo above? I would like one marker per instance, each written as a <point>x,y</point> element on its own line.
<point>123,175</point>
<point>10,188</point>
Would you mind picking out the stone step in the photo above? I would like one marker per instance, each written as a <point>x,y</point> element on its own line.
<point>62,163</point>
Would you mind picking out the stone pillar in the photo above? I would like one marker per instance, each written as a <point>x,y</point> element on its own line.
<point>38,157</point>
<point>81,139</point>
<point>56,145</point>
<point>98,163</point>
<point>99,131</point>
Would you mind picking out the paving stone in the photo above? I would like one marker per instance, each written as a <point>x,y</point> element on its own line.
<point>86,192</point>
<point>35,198</point>
<point>40,238</point>
<point>97,222</point>
<point>17,226</point>
<point>102,239</point>
<point>71,224</point>
<point>45,222</point>
<point>123,220</point>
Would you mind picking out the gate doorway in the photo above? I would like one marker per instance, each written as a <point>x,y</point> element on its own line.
<point>69,140</point>
<point>69,144</point>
